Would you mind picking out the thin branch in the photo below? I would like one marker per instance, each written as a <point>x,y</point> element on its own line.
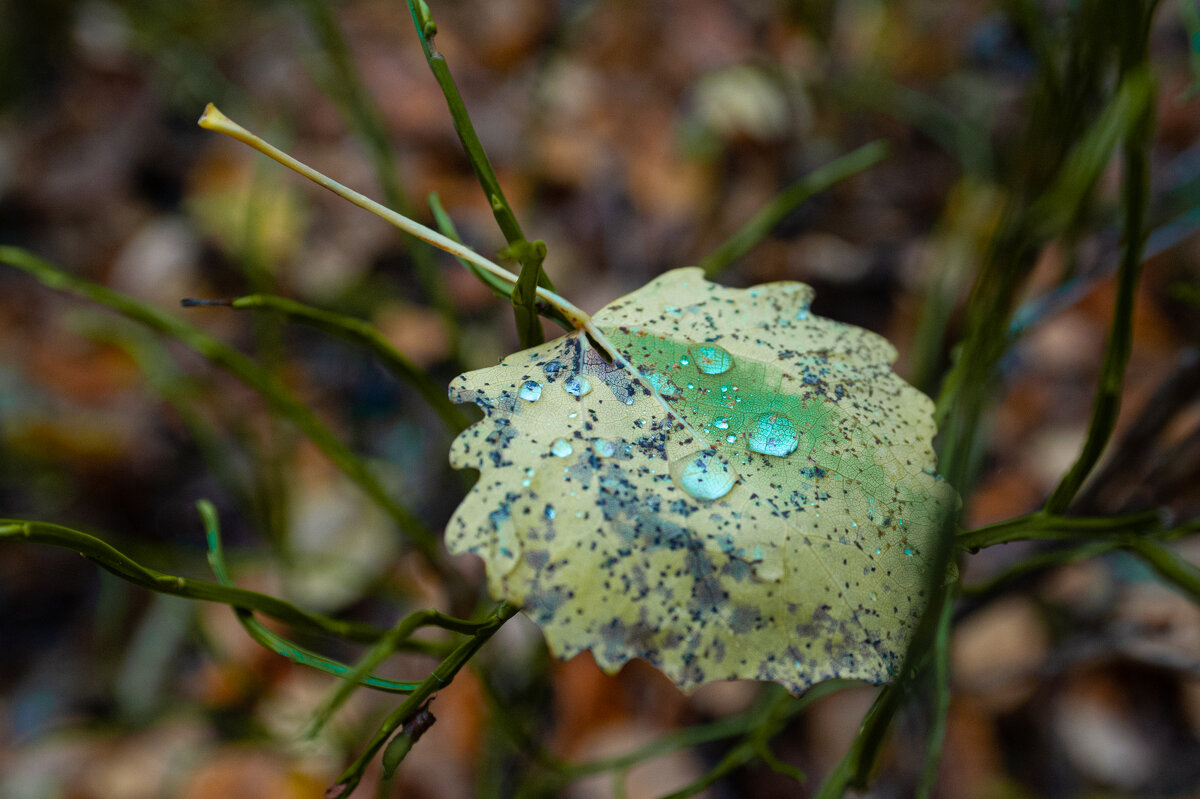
<point>441,676</point>
<point>245,369</point>
<point>817,181</point>
<point>359,332</point>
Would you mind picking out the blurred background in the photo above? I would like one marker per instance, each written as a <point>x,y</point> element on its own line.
<point>633,137</point>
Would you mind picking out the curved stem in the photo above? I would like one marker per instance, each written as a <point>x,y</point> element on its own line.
<point>213,119</point>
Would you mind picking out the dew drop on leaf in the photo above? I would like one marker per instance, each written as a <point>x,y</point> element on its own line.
<point>722,423</point>
<point>578,385</point>
<point>772,434</point>
<point>603,448</point>
<point>530,391</point>
<point>561,448</point>
<point>705,475</point>
<point>767,563</point>
<point>712,360</point>
<point>663,384</point>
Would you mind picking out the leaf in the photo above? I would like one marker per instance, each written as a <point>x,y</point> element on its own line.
<point>779,523</point>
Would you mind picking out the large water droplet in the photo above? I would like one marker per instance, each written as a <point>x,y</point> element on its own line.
<point>604,449</point>
<point>531,391</point>
<point>722,423</point>
<point>712,360</point>
<point>577,385</point>
<point>561,448</point>
<point>772,434</point>
<point>704,475</point>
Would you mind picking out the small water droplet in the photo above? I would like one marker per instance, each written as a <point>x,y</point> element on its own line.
<point>908,550</point>
<point>663,384</point>
<point>731,438</point>
<point>531,391</point>
<point>561,448</point>
<point>712,360</point>
<point>684,360</point>
<point>507,545</point>
<point>705,475</point>
<point>577,385</point>
<point>773,434</point>
<point>722,423</point>
<point>549,512</point>
<point>767,562</point>
<point>605,449</point>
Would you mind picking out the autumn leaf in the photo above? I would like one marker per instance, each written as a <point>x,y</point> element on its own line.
<point>716,481</point>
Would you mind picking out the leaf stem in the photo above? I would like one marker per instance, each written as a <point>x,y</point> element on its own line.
<point>213,119</point>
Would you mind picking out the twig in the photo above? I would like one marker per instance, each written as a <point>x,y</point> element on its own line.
<point>357,331</point>
<point>786,201</point>
<point>246,370</point>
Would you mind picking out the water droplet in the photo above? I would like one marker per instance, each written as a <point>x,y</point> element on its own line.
<point>549,512</point>
<point>722,423</point>
<point>773,434</point>
<point>663,384</point>
<point>531,391</point>
<point>605,449</point>
<point>767,562</point>
<point>731,438</point>
<point>577,385</point>
<point>704,475</point>
<point>561,448</point>
<point>712,360</point>
<point>908,550</point>
<point>507,544</point>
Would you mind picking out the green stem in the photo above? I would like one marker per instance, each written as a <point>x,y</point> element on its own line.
<point>1169,565</point>
<point>1032,564</point>
<point>246,370</point>
<point>786,201</point>
<point>120,564</point>
<point>363,115</point>
<point>773,709</point>
<point>1048,527</point>
<point>441,676</point>
<point>529,255</point>
<point>1135,198</point>
<point>359,332</point>
<point>941,701</point>
<point>271,640</point>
